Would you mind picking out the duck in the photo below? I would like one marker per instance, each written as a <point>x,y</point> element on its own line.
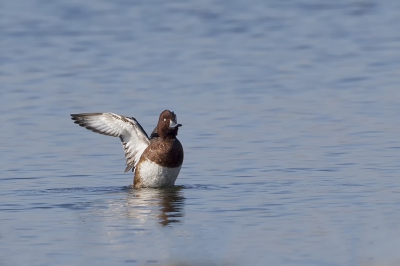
<point>156,160</point>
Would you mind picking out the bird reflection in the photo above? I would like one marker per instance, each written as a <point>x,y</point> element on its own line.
<point>165,204</point>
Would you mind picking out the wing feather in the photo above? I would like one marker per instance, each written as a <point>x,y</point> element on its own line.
<point>134,139</point>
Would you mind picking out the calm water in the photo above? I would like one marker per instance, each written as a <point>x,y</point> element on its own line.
<point>290,113</point>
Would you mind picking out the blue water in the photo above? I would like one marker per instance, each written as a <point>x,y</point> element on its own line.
<point>290,113</point>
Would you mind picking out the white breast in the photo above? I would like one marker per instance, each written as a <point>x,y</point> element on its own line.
<point>154,175</point>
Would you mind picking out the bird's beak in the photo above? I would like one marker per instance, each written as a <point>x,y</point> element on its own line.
<point>173,124</point>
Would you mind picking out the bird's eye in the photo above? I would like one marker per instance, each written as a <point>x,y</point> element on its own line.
<point>165,119</point>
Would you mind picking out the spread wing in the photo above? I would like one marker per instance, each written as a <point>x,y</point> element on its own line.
<point>133,137</point>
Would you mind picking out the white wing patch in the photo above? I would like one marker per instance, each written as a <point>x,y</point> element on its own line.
<point>133,137</point>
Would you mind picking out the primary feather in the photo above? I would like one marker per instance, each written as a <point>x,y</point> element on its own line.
<point>134,139</point>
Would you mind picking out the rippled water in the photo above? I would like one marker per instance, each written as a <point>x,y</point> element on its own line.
<point>290,113</point>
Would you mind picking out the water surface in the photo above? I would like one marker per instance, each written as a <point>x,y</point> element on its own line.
<point>290,113</point>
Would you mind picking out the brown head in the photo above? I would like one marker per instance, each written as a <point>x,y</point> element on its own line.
<point>167,125</point>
